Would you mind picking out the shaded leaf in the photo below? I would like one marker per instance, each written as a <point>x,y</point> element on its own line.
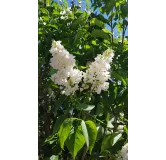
<point>58,103</point>
<point>100,133</point>
<point>85,107</point>
<point>58,123</point>
<point>95,21</point>
<point>106,143</point>
<point>99,110</point>
<point>118,77</point>
<point>53,26</point>
<point>100,33</point>
<point>78,36</point>
<point>115,137</point>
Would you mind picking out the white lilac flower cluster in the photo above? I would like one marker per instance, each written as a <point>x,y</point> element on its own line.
<point>68,77</point>
<point>124,153</point>
<point>97,74</point>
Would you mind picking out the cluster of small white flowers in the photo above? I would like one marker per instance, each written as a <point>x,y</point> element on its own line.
<point>124,153</point>
<point>97,74</point>
<point>65,13</point>
<point>66,76</point>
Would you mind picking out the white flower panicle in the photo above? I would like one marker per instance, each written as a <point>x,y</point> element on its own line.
<point>66,76</point>
<point>123,153</point>
<point>98,73</point>
<point>61,59</point>
<point>71,86</point>
<point>95,78</point>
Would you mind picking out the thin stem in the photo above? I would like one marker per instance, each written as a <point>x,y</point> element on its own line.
<point>84,153</point>
<point>123,32</point>
<point>112,30</point>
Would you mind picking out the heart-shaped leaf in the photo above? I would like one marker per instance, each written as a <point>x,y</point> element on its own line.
<point>92,133</point>
<point>64,131</point>
<point>75,141</point>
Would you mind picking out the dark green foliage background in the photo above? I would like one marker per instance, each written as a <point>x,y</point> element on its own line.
<point>89,32</point>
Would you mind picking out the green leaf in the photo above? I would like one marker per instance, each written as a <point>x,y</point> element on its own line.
<point>55,86</point>
<point>101,18</point>
<point>45,18</point>
<point>50,140</point>
<point>77,22</point>
<point>85,132</point>
<point>110,140</point>
<point>92,133</point>
<point>87,47</point>
<point>78,36</point>
<point>105,153</point>
<point>58,103</point>
<point>52,71</point>
<point>53,157</point>
<point>94,42</point>
<point>115,137</point>
<point>44,11</point>
<point>118,77</point>
<point>95,21</point>
<point>106,143</point>
<point>55,12</point>
<point>115,92</point>
<point>117,4</point>
<point>58,123</point>
<point>48,2</point>
<point>100,33</point>
<point>125,129</point>
<point>53,26</point>
<point>80,20</point>
<point>82,67</point>
<point>100,133</point>
<point>119,26</point>
<point>75,141</point>
<point>99,111</point>
<point>64,131</point>
<point>85,107</point>
<point>106,31</point>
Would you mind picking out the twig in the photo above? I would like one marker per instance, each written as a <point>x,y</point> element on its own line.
<point>84,153</point>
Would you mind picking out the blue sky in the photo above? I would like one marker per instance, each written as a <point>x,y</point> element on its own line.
<point>83,6</point>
